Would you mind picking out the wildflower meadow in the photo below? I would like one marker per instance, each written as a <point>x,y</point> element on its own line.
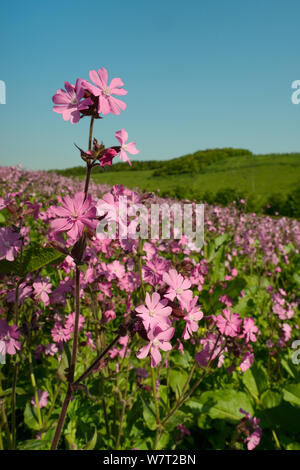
<point>118,332</point>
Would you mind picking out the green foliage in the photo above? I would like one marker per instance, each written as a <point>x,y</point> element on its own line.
<point>226,403</point>
<point>33,258</point>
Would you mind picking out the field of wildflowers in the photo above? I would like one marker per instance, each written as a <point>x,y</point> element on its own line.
<point>141,343</point>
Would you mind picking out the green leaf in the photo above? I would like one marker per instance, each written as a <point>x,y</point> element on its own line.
<point>163,441</point>
<point>221,239</point>
<point>30,417</point>
<point>8,391</point>
<point>36,257</point>
<point>92,443</point>
<point>256,380</point>
<point>293,446</point>
<point>179,417</point>
<point>133,415</point>
<point>219,267</point>
<point>271,399</point>
<point>149,414</point>
<point>63,365</point>
<point>249,381</point>
<point>33,444</point>
<point>226,404</point>
<point>285,415</point>
<point>291,393</point>
<point>291,368</point>
<point>177,379</point>
<point>181,360</point>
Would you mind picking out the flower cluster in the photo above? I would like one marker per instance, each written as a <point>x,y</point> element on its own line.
<point>95,99</point>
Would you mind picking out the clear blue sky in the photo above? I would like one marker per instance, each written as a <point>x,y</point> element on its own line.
<point>199,74</point>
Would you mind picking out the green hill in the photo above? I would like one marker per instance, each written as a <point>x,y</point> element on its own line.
<point>216,176</point>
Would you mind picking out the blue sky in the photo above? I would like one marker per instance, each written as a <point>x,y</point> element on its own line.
<point>199,74</point>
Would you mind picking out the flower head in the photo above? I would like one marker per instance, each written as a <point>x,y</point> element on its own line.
<point>10,243</point>
<point>122,137</point>
<point>74,214</point>
<point>154,313</point>
<point>42,398</point>
<point>9,336</point>
<point>158,339</point>
<point>69,102</point>
<point>229,324</point>
<point>107,103</point>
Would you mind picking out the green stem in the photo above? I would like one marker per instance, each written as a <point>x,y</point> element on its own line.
<point>35,392</point>
<point>52,405</point>
<point>1,441</point>
<point>278,446</point>
<point>158,426</point>
<point>76,326</point>
<point>13,403</point>
<point>4,422</point>
<point>140,266</point>
<point>124,404</point>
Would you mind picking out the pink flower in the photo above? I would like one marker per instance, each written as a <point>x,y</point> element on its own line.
<point>90,341</point>
<point>210,349</point>
<point>68,103</point>
<point>74,214</point>
<point>116,270</point>
<point>154,269</point>
<point>51,349</point>
<point>192,317</point>
<point>287,331</point>
<point>180,346</point>
<point>24,292</point>
<point>178,286</point>
<point>247,361</point>
<point>108,316</point>
<point>254,439</point>
<point>122,137</point>
<point>226,300</point>
<point>155,313</point>
<point>10,243</point>
<point>157,340</point>
<point>70,322</point>
<point>60,334</point>
<point>9,335</point>
<point>43,396</point>
<point>41,291</point>
<point>252,428</point>
<point>229,324</point>
<point>249,329</point>
<point>107,103</point>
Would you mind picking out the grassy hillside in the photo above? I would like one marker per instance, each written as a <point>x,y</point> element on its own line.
<point>262,174</point>
<point>261,179</point>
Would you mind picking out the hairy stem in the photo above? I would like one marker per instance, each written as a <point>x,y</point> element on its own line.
<point>62,418</point>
